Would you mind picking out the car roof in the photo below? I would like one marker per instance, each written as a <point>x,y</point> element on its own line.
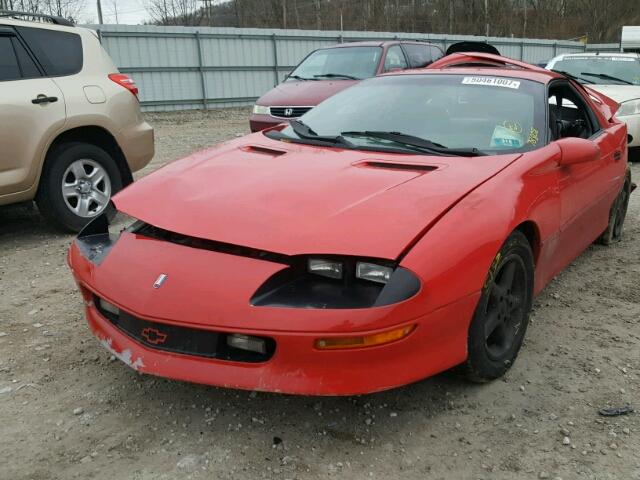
<point>598,54</point>
<point>373,43</point>
<point>535,76</point>
<point>475,63</point>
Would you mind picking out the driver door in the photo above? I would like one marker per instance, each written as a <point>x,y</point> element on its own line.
<point>584,187</point>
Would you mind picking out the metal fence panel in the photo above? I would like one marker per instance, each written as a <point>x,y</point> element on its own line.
<point>181,68</point>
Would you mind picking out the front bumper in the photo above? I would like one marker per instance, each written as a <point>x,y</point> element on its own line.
<point>297,366</point>
<point>262,122</point>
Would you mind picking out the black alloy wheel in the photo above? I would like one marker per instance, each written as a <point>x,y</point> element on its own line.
<point>501,318</point>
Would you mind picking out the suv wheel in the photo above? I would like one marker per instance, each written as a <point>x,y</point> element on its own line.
<point>77,183</point>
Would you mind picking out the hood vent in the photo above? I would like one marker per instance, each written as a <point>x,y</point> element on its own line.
<point>263,150</point>
<point>412,167</point>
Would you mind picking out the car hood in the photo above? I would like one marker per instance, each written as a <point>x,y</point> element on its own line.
<point>619,93</point>
<point>307,93</point>
<point>299,199</point>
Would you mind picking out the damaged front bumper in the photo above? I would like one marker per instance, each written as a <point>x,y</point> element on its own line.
<point>180,327</point>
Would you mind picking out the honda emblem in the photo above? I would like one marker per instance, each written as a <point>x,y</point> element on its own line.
<point>288,112</point>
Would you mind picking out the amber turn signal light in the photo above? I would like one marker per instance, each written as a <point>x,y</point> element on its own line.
<point>336,343</point>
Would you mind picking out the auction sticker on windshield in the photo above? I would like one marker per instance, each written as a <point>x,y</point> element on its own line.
<point>492,82</point>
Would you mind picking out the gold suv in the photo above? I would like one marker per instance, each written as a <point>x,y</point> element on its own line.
<point>71,131</point>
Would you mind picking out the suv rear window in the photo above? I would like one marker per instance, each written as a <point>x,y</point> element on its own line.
<point>59,53</point>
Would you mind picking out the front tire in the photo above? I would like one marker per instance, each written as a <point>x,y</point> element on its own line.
<point>501,318</point>
<point>78,181</point>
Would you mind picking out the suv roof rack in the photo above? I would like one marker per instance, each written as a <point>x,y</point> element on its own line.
<point>37,17</point>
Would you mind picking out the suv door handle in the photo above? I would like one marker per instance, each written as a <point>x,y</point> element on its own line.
<point>44,99</point>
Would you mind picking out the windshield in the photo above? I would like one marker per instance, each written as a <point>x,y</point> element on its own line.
<point>491,114</point>
<point>601,69</point>
<point>337,63</point>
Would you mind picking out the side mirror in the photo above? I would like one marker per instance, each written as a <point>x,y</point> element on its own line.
<point>577,150</point>
<point>629,138</point>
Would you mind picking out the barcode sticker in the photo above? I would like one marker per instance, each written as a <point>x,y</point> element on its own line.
<point>492,82</point>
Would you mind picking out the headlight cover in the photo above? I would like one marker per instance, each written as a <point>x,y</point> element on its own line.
<point>261,110</point>
<point>630,107</point>
<point>323,282</point>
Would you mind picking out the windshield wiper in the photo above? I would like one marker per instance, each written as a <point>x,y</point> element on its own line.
<point>298,77</point>
<point>337,75</point>
<point>573,77</point>
<point>604,76</point>
<point>422,144</point>
<point>305,131</point>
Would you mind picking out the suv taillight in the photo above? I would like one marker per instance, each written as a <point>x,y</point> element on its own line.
<point>125,81</point>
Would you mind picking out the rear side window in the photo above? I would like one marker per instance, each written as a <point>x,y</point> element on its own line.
<point>59,53</point>
<point>421,55</point>
<point>9,68</point>
<point>436,53</point>
<point>395,59</point>
<point>27,65</point>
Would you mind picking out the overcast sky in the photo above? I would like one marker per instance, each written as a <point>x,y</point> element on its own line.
<point>131,12</point>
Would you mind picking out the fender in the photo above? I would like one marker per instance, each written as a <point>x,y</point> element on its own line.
<point>469,236</point>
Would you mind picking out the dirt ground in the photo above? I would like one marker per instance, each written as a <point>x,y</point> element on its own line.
<point>67,410</point>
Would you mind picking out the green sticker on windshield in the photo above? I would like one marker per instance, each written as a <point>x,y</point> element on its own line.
<point>506,138</point>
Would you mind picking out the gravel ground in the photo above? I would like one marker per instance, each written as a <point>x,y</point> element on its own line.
<point>67,410</point>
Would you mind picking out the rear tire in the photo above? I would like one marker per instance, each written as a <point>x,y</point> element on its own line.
<point>617,215</point>
<point>77,183</point>
<point>501,318</point>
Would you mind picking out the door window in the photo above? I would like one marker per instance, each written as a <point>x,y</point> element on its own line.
<point>395,58</point>
<point>569,114</point>
<point>9,68</point>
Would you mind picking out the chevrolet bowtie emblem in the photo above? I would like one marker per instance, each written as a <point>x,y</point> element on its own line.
<point>154,336</point>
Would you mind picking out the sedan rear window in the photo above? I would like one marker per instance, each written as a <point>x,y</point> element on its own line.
<point>59,53</point>
<point>339,63</point>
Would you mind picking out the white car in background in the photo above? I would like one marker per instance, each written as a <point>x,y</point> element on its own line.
<point>616,75</point>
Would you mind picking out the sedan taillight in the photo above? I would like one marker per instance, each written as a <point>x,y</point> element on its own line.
<point>125,81</point>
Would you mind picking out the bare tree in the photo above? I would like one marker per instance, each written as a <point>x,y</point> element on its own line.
<point>600,19</point>
<point>175,12</point>
<point>70,9</point>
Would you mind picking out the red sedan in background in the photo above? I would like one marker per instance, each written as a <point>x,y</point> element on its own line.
<point>393,232</point>
<point>327,71</point>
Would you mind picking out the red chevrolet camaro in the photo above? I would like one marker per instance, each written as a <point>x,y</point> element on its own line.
<point>397,230</point>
